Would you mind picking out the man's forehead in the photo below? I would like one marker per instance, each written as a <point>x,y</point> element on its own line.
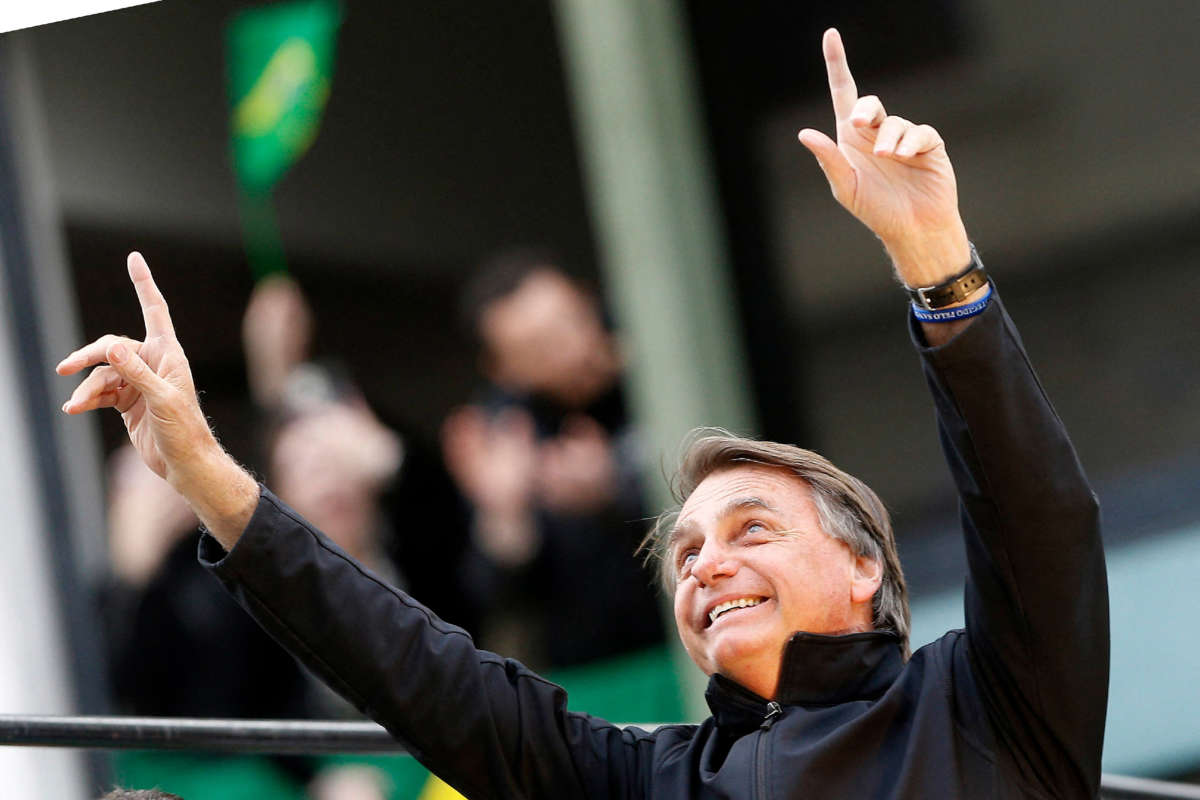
<point>738,487</point>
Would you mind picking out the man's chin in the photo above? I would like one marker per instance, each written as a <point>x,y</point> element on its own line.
<point>739,653</point>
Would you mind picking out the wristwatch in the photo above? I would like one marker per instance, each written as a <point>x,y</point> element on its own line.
<point>952,290</point>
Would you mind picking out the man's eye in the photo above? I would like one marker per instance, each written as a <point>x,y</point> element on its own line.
<point>757,530</point>
<point>686,558</point>
<point>759,533</point>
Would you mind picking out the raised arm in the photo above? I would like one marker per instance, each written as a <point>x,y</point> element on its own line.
<point>896,178</point>
<point>485,724</point>
<point>1036,599</point>
<point>149,382</point>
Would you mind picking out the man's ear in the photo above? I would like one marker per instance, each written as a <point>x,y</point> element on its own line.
<point>866,579</point>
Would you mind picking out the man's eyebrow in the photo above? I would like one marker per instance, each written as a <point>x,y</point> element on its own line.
<point>743,503</point>
<point>732,507</point>
<point>678,531</point>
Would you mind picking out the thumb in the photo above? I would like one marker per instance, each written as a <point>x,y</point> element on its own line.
<point>134,371</point>
<point>833,163</point>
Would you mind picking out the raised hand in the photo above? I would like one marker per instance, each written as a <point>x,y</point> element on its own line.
<point>494,464</point>
<point>577,471</point>
<point>150,383</point>
<point>146,518</point>
<point>893,175</point>
<point>276,336</point>
<point>493,460</point>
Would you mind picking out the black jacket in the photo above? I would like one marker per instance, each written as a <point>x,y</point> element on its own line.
<point>1011,707</point>
<point>581,598</point>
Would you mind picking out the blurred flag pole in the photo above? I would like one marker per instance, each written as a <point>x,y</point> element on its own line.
<point>280,70</point>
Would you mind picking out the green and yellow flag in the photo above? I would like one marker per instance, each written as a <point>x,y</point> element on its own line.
<point>280,69</point>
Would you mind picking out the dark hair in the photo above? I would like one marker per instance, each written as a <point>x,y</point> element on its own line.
<point>848,509</point>
<point>140,794</point>
<point>499,276</point>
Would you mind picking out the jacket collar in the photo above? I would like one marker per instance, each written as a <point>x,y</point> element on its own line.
<point>817,670</point>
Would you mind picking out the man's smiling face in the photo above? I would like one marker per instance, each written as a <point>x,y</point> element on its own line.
<point>753,565</point>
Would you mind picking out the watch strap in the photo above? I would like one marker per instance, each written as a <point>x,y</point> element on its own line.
<point>952,290</point>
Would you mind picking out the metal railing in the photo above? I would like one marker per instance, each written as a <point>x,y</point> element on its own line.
<point>317,737</point>
<point>1124,787</point>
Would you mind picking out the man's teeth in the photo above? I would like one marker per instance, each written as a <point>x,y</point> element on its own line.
<point>744,602</point>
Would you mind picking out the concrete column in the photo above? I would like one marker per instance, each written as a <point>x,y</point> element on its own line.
<point>653,203</point>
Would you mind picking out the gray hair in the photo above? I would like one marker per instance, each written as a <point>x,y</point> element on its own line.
<point>848,509</point>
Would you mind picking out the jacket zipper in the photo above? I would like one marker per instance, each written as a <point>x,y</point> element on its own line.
<point>774,712</point>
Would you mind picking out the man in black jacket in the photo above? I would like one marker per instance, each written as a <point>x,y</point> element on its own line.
<point>811,692</point>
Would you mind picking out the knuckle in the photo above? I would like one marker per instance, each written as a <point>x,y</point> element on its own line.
<point>135,369</point>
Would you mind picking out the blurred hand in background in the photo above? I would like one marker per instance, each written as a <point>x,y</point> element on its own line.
<point>276,335</point>
<point>146,518</point>
<point>577,471</point>
<point>494,460</point>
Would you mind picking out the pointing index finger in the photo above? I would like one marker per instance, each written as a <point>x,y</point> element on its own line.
<point>154,306</point>
<point>841,82</point>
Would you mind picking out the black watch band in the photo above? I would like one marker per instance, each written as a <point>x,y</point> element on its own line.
<point>952,290</point>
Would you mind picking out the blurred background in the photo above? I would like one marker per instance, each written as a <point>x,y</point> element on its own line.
<point>483,178</point>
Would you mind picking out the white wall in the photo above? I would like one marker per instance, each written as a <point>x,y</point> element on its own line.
<point>35,671</point>
<point>32,675</point>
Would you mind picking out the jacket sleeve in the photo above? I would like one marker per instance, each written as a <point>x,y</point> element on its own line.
<point>1036,594</point>
<point>486,725</point>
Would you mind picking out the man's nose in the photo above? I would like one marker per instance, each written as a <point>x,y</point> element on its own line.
<point>714,562</point>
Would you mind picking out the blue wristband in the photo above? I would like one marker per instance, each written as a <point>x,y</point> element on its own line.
<point>953,314</point>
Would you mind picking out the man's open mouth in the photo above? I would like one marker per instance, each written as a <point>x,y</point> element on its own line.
<point>733,605</point>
